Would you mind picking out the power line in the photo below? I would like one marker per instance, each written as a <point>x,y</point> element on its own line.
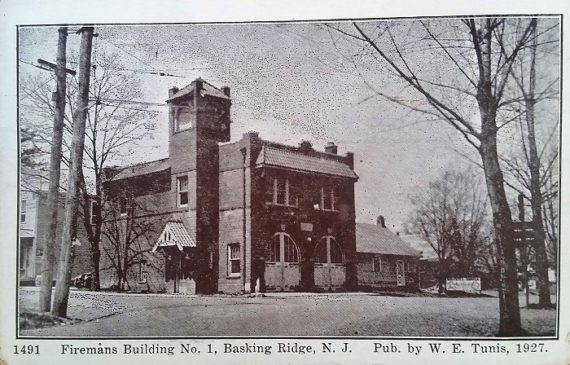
<point>129,53</point>
<point>37,89</point>
<point>108,100</point>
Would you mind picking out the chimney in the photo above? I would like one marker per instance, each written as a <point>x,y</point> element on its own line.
<point>198,86</point>
<point>305,146</point>
<point>226,91</point>
<point>331,148</point>
<point>250,135</point>
<point>350,159</point>
<point>172,91</point>
<point>380,221</point>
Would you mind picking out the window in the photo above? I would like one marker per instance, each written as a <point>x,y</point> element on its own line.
<point>142,272</point>
<point>376,264</point>
<point>280,191</point>
<point>411,266</point>
<point>123,205</point>
<point>328,198</point>
<point>93,212</point>
<point>182,189</point>
<point>275,249</point>
<point>334,251</point>
<point>290,250</point>
<point>181,123</point>
<point>234,262</point>
<point>23,210</point>
<point>282,248</point>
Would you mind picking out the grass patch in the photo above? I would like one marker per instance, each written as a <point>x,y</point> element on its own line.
<point>28,320</point>
<point>536,306</point>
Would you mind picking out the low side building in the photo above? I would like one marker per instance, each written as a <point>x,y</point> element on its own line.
<point>385,261</point>
<point>428,267</point>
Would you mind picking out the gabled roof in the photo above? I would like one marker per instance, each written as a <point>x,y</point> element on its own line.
<point>372,238</point>
<point>140,169</point>
<point>274,156</point>
<point>174,234</point>
<point>418,243</point>
<point>207,89</point>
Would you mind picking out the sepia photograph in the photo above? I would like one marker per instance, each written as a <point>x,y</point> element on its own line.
<point>343,178</point>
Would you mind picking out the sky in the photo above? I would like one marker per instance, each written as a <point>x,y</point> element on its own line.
<point>289,82</point>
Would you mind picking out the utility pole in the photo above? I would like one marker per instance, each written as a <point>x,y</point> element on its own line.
<point>48,258</point>
<point>71,200</point>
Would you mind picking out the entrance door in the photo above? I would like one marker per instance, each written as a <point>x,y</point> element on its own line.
<point>400,274</point>
<point>282,269</point>
<point>330,271</point>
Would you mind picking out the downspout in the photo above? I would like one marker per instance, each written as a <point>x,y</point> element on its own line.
<point>244,225</point>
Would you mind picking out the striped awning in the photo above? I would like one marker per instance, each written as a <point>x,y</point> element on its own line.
<point>174,234</point>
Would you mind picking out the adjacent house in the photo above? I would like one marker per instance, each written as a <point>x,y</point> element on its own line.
<point>229,217</point>
<point>428,266</point>
<point>34,221</point>
<point>384,259</point>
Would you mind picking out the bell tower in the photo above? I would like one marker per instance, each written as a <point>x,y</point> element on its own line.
<point>199,119</point>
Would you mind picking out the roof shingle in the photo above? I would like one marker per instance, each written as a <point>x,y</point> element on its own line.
<point>174,234</point>
<point>141,169</point>
<point>279,157</point>
<point>207,89</point>
<point>372,238</point>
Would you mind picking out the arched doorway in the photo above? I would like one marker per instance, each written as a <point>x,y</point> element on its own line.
<point>282,269</point>
<point>330,270</point>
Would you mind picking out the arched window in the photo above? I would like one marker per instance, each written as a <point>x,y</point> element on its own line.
<point>328,243</point>
<point>291,251</point>
<point>274,254</point>
<point>282,248</point>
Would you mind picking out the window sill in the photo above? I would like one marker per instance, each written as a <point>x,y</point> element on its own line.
<point>233,276</point>
<point>281,205</point>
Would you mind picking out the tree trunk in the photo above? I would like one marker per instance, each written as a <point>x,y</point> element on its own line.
<point>535,193</point>
<point>48,258</point>
<point>440,284</point>
<point>510,323</point>
<point>76,164</point>
<point>93,231</point>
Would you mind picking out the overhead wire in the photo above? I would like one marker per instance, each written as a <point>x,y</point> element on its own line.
<point>28,94</point>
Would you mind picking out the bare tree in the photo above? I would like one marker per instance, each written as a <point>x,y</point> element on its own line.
<point>115,124</point>
<point>476,56</point>
<point>450,215</point>
<point>129,236</point>
<point>525,76</point>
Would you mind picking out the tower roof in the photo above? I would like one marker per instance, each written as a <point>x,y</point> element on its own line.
<point>207,89</point>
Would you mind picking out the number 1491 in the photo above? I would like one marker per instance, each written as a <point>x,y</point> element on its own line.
<point>26,350</point>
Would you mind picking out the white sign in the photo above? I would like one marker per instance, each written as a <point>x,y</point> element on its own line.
<point>468,285</point>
